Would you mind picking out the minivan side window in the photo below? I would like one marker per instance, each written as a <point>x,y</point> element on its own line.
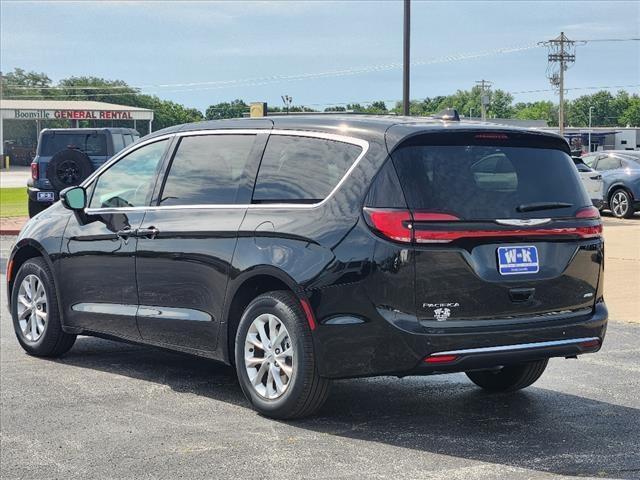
<point>130,181</point>
<point>302,169</point>
<point>208,170</point>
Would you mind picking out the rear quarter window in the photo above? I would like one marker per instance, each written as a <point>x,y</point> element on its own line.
<point>480,182</point>
<point>93,144</point>
<point>302,169</point>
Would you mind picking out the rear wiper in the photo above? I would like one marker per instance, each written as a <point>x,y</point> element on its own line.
<point>532,207</point>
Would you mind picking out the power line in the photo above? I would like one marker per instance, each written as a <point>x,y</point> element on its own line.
<point>257,81</point>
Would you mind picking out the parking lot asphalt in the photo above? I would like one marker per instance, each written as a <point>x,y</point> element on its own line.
<point>112,410</point>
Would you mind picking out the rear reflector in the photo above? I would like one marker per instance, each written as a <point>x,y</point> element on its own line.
<point>308,312</point>
<point>590,344</point>
<point>441,359</point>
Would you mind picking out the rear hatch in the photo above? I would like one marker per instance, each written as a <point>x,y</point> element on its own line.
<point>501,226</point>
<point>93,144</point>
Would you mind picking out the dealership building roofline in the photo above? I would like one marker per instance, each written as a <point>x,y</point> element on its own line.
<point>39,110</point>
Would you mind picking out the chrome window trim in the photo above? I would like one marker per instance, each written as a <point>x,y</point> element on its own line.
<point>520,346</point>
<point>363,144</point>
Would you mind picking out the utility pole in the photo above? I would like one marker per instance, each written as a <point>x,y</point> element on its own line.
<point>561,55</point>
<point>406,57</point>
<point>286,99</point>
<point>484,98</point>
<point>590,110</point>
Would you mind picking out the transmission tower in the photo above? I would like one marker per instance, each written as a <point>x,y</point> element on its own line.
<point>562,54</point>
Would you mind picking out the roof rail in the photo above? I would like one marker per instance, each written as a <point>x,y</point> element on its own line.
<point>448,115</point>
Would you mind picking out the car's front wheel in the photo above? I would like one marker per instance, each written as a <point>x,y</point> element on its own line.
<point>509,378</point>
<point>34,308</point>
<point>275,360</point>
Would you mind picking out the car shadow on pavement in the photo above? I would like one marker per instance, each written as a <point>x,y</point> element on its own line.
<point>537,429</point>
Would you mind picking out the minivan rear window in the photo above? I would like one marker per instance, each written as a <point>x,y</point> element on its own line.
<point>302,169</point>
<point>93,144</point>
<point>480,182</point>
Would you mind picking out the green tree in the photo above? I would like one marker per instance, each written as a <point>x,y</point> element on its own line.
<point>631,115</point>
<point>233,109</point>
<point>540,110</point>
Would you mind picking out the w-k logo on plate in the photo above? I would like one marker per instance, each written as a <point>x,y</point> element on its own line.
<point>515,260</point>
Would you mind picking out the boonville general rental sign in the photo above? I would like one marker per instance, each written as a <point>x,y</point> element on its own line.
<point>78,115</point>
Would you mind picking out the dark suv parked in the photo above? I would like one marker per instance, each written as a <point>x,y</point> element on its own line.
<point>306,249</point>
<point>66,156</point>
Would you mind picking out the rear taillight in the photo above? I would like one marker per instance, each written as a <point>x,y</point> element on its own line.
<point>35,171</point>
<point>391,223</point>
<point>588,212</point>
<point>434,227</point>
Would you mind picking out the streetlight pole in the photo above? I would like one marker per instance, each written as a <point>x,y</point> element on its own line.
<point>590,110</point>
<point>406,57</point>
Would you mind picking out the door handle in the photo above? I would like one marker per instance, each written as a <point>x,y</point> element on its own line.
<point>125,233</point>
<point>519,295</point>
<point>150,233</point>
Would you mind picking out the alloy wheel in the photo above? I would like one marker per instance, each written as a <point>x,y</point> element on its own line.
<point>32,307</point>
<point>620,204</point>
<point>268,356</point>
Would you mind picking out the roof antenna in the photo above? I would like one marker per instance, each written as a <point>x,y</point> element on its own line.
<point>448,115</point>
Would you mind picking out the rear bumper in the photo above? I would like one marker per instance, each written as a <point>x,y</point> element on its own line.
<point>394,352</point>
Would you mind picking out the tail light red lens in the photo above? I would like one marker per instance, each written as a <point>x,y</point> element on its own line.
<point>441,359</point>
<point>35,171</point>
<point>400,225</point>
<point>393,224</point>
<point>588,212</point>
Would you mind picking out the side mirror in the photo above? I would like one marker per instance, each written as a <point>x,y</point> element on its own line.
<point>74,198</point>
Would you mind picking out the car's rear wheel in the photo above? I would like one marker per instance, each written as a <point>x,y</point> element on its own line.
<point>621,204</point>
<point>275,360</point>
<point>34,308</point>
<point>509,378</point>
<point>35,208</point>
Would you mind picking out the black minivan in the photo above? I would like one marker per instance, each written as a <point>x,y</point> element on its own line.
<point>310,248</point>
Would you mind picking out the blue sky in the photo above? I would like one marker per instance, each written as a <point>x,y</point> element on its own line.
<point>179,43</point>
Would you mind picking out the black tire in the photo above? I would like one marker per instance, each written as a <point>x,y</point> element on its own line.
<point>307,390</point>
<point>509,378</point>
<point>52,341</point>
<point>68,168</point>
<point>35,207</point>
<point>621,204</point>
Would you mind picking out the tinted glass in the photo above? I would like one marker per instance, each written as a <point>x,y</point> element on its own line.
<point>608,163</point>
<point>118,142</point>
<point>89,143</point>
<point>580,165</point>
<point>130,181</point>
<point>128,139</point>
<point>487,182</point>
<point>208,170</point>
<point>302,169</point>
<point>590,159</point>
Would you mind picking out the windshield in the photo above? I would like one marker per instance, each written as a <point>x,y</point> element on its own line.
<point>477,182</point>
<point>93,144</point>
